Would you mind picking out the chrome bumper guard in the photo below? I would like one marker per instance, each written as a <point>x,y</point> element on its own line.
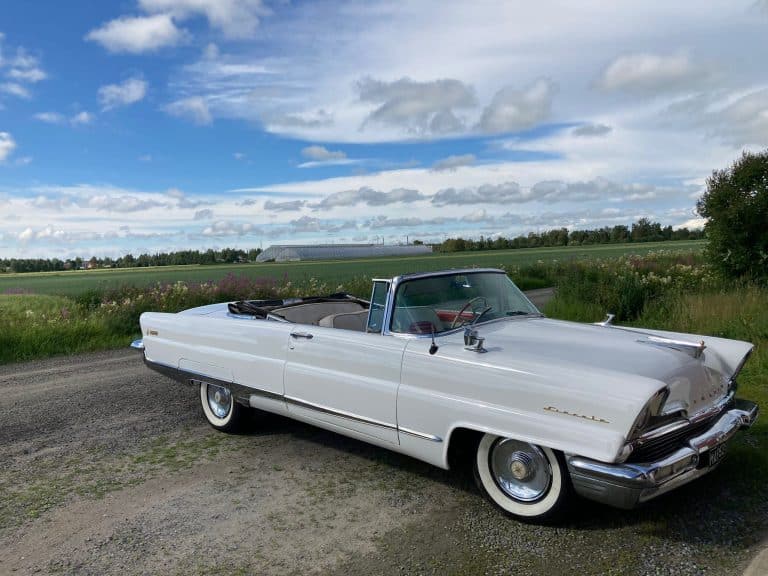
<point>627,485</point>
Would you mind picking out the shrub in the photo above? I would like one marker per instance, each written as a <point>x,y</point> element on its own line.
<point>736,205</point>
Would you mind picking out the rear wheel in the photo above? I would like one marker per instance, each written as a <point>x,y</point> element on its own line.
<point>220,408</point>
<point>527,481</point>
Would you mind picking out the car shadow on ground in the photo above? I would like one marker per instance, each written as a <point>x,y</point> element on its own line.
<point>713,510</point>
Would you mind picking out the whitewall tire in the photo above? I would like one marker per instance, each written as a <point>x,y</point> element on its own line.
<point>220,408</point>
<point>526,481</point>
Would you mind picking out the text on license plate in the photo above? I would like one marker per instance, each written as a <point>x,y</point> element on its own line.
<point>716,453</point>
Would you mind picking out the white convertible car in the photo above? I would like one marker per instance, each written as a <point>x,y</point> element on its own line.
<point>442,363</point>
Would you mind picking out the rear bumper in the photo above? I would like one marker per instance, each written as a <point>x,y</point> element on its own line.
<point>138,345</point>
<point>627,485</point>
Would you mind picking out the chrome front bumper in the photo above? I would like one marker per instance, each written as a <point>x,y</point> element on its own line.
<point>627,485</point>
<point>138,345</point>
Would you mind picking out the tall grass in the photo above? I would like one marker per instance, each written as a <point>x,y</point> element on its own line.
<point>33,326</point>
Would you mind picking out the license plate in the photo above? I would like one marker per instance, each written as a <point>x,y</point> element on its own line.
<point>716,453</point>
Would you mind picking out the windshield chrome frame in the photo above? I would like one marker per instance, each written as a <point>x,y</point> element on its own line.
<point>397,280</point>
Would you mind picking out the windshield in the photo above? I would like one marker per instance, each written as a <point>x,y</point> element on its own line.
<point>442,303</point>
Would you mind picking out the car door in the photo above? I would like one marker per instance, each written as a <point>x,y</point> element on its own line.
<point>346,378</point>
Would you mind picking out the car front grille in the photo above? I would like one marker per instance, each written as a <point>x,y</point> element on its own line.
<point>663,446</point>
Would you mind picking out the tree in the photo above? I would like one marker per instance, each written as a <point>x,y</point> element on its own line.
<point>736,207</point>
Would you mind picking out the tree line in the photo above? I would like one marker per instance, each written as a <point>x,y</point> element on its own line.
<point>182,257</point>
<point>641,231</point>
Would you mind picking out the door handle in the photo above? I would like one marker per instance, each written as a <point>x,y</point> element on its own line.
<point>306,335</point>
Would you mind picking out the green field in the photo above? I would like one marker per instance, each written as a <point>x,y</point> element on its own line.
<point>332,272</point>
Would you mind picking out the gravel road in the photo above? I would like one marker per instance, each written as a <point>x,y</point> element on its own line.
<point>109,469</point>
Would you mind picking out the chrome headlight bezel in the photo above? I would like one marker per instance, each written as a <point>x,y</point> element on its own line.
<point>651,410</point>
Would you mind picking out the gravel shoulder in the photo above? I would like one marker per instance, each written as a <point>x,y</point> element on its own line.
<point>109,468</point>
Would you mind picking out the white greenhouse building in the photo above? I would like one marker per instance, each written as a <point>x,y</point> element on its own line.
<point>292,253</point>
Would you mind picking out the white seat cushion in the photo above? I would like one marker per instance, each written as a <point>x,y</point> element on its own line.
<point>312,313</point>
<point>346,320</point>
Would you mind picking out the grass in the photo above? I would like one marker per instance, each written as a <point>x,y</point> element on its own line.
<point>36,326</point>
<point>73,283</point>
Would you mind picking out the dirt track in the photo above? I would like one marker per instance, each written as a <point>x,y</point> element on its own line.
<point>108,468</point>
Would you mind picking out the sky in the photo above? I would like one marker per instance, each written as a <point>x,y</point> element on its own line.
<point>159,125</point>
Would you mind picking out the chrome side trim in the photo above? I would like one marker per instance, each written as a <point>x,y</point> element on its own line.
<point>421,435</point>
<point>243,393</point>
<point>338,413</point>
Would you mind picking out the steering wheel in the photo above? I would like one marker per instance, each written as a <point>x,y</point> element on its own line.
<point>467,305</point>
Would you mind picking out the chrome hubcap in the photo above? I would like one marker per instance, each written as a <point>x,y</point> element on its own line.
<point>219,400</point>
<point>520,469</point>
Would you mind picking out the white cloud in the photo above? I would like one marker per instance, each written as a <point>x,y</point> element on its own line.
<point>194,108</point>
<point>646,72</point>
<point>741,121</point>
<point>453,162</point>
<point>235,18</point>
<point>23,161</point>
<point>206,214</point>
<point>50,117</point>
<point>81,118</point>
<point>476,216</point>
<point>19,71</point>
<point>692,224</point>
<point>288,206</point>
<point>239,156</point>
<point>320,153</point>
<point>368,196</point>
<point>32,74</point>
<point>419,108</point>
<point>512,109</point>
<point>125,93</point>
<point>26,235</point>
<point>15,89</point>
<point>145,158</point>
<point>230,228</point>
<point>7,145</point>
<point>138,34</point>
<point>109,203</point>
<point>503,193</point>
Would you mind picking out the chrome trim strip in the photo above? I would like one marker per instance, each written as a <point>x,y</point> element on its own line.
<point>694,349</point>
<point>421,435</point>
<point>712,410</point>
<point>338,413</point>
<point>242,393</point>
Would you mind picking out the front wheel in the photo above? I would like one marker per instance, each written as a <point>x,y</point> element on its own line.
<point>220,408</point>
<point>526,481</point>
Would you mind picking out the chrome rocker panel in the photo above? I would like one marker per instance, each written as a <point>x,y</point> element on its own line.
<point>627,485</point>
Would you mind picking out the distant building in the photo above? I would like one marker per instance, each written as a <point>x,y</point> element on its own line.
<point>292,253</point>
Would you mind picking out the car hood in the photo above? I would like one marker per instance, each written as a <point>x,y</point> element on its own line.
<point>618,360</point>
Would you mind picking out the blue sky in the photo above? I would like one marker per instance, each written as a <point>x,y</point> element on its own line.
<point>154,125</point>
